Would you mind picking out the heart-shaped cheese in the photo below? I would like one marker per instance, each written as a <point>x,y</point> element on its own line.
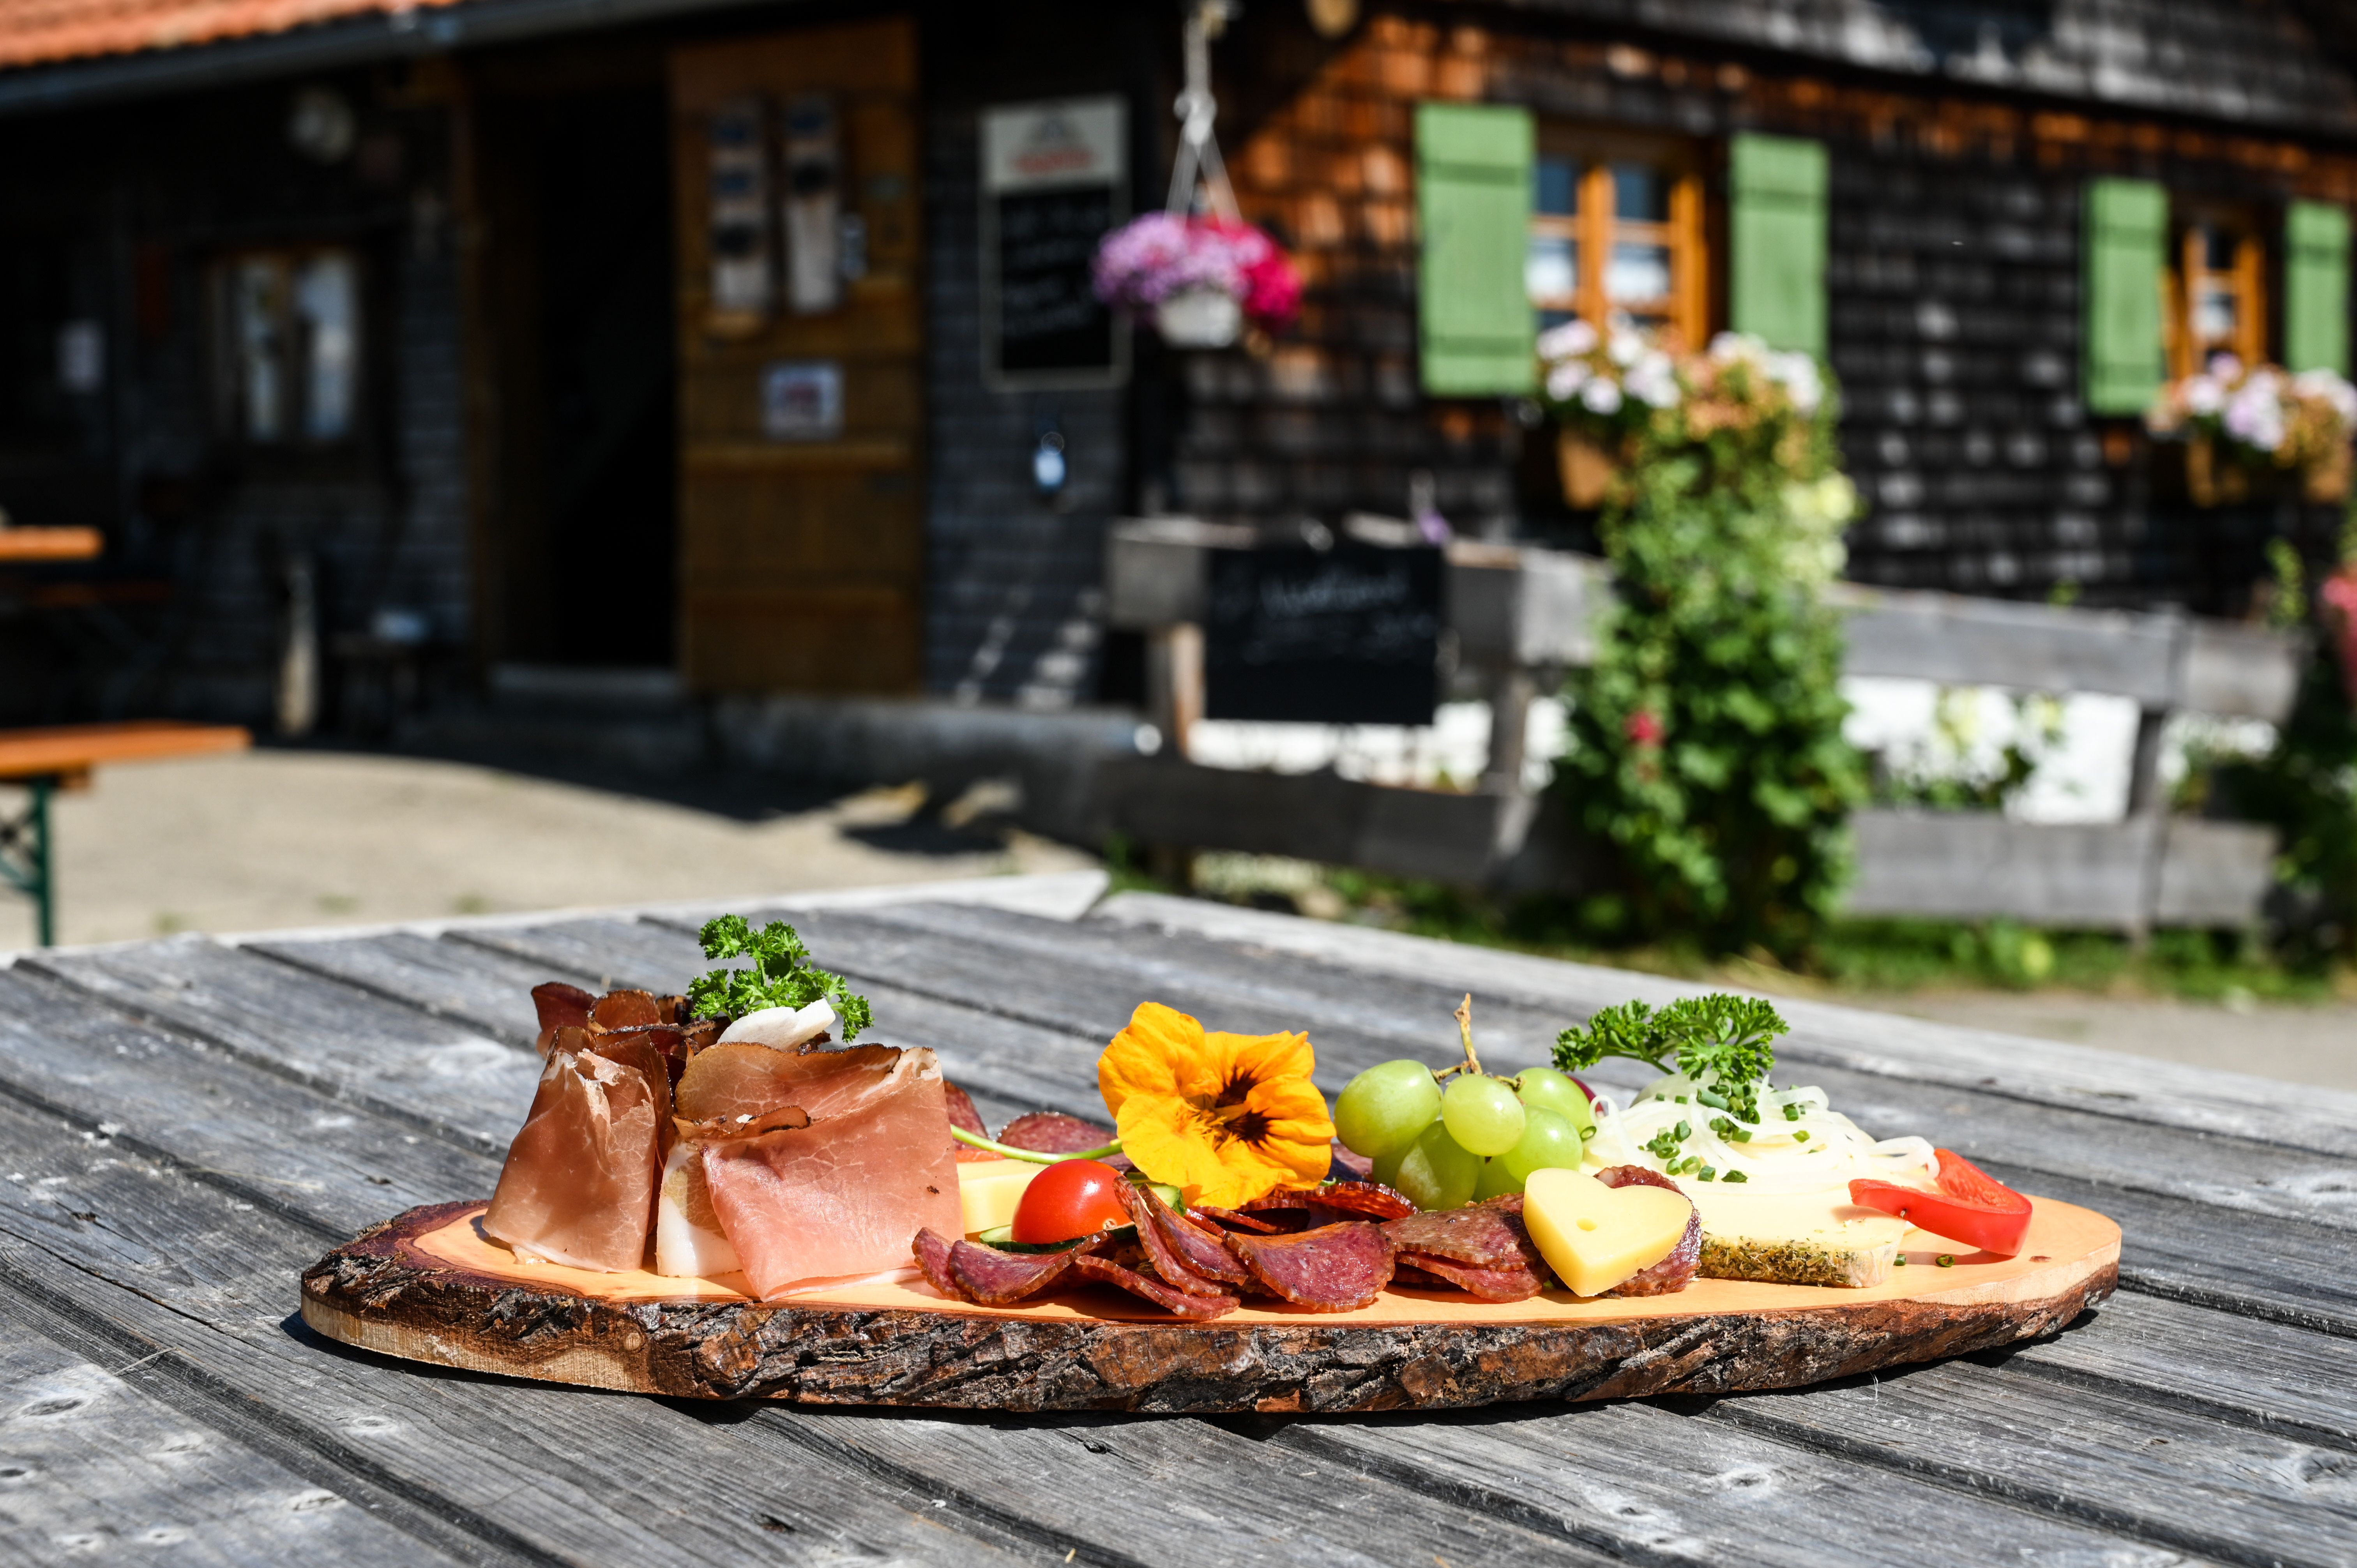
<point>1595,1237</point>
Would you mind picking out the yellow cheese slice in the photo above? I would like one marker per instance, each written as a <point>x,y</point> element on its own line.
<point>1813,1238</point>
<point>1595,1237</point>
<point>991,1188</point>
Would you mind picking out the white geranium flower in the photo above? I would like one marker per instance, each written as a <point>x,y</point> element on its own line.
<point>1653,380</point>
<point>1626,348</point>
<point>1601,396</point>
<point>2226,368</point>
<point>2203,395</point>
<point>1729,347</point>
<point>1573,338</point>
<point>1564,380</point>
<point>2332,387</point>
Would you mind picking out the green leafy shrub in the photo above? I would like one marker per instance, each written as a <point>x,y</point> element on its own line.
<point>1705,757</point>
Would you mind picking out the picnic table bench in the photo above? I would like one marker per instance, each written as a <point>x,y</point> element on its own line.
<point>44,761</point>
<point>186,1123</point>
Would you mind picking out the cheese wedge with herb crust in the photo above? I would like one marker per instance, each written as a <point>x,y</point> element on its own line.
<point>1815,1238</point>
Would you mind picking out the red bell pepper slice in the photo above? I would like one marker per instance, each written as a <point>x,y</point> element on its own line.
<point>1971,1207</point>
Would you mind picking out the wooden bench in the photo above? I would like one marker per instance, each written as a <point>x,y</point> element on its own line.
<point>1522,616</point>
<point>49,544</point>
<point>44,761</point>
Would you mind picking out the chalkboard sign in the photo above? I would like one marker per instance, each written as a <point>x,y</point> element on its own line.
<point>1053,183</point>
<point>1345,636</point>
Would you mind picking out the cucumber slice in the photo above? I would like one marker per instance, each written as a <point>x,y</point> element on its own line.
<point>1168,1194</point>
<point>1002,1237</point>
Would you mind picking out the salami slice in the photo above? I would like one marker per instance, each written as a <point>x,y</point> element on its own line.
<point>1484,1237</point>
<point>1052,1132</point>
<point>996,1279</point>
<point>1203,1309</point>
<point>1335,1268</point>
<point>1372,1198</point>
<point>1197,1252</point>
<point>1519,1282</point>
<point>932,1251</point>
<point>1635,1175</point>
<point>1344,1165</point>
<point>965,1118</point>
<point>1229,1219</point>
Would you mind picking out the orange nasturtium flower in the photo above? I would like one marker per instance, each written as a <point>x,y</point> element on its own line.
<point>1225,1118</point>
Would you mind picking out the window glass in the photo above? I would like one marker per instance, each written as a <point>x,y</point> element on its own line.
<point>258,314</point>
<point>1639,274</point>
<point>1552,273</point>
<point>1558,188</point>
<point>1640,194</point>
<point>327,308</point>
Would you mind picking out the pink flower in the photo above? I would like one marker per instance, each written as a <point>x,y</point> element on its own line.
<point>1155,256</point>
<point>1643,728</point>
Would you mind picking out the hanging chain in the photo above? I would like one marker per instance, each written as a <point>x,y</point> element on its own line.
<point>1199,159</point>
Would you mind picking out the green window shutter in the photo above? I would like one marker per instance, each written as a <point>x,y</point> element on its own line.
<point>2127,250</point>
<point>1473,211</point>
<point>2316,287</point>
<point>1776,241</point>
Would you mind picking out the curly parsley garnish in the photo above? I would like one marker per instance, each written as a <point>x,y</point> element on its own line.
<point>781,975</point>
<point>1720,1042</point>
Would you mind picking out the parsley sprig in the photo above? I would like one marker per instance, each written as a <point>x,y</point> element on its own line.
<point>781,975</point>
<point>1720,1042</point>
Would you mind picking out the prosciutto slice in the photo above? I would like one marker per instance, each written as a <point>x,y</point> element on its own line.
<point>579,1184</point>
<point>844,1196</point>
<point>743,1077</point>
<point>560,1007</point>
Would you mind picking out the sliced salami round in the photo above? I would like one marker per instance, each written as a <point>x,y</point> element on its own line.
<point>1483,1236</point>
<point>1335,1268</point>
<point>1229,1220</point>
<point>1199,1308</point>
<point>1673,1273</point>
<point>996,1279</point>
<point>1053,1133</point>
<point>932,1251</point>
<point>1170,1262</point>
<point>1516,1283</point>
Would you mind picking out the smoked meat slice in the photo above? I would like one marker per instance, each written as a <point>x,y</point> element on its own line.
<point>1518,1284</point>
<point>1199,1308</point>
<point>993,1278</point>
<point>1177,1251</point>
<point>578,1187</point>
<point>1482,1236</point>
<point>1335,1268</point>
<point>1053,1133</point>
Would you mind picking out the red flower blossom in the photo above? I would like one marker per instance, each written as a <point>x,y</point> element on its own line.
<point>1643,728</point>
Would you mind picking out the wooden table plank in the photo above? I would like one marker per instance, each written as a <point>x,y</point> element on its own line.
<point>2042,1071</point>
<point>373,1052</point>
<point>529,1470</point>
<point>1635,1476</point>
<point>90,1465</point>
<point>2141,1465</point>
<point>1360,1019</point>
<point>474,987</point>
<point>78,748</point>
<point>618,951</point>
<point>258,1136</point>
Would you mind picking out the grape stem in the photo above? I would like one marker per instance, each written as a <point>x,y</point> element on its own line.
<point>1032,1156</point>
<point>1465,1030</point>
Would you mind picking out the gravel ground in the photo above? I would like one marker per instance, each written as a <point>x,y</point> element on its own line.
<point>278,838</point>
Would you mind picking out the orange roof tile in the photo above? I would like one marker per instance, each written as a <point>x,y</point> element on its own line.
<point>39,32</point>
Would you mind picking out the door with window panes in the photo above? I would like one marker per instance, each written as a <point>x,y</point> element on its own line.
<point>1616,235</point>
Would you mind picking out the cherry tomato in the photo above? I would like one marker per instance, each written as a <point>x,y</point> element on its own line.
<point>1971,1206</point>
<point>1070,1199</point>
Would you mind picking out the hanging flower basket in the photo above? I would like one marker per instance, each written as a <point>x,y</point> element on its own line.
<point>1202,281</point>
<point>2240,424</point>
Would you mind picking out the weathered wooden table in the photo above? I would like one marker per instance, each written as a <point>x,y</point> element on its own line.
<point>184,1124</point>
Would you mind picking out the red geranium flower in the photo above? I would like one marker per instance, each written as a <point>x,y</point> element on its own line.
<point>1643,728</point>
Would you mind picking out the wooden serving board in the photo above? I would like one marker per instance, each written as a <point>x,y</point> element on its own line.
<point>428,1285</point>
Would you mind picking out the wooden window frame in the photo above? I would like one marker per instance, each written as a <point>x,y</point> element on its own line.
<point>2191,273</point>
<point>1595,228</point>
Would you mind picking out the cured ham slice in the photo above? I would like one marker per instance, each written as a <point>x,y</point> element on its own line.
<point>560,1007</point>
<point>1335,1268</point>
<point>844,1196</point>
<point>579,1184</point>
<point>740,1078</point>
<point>627,1010</point>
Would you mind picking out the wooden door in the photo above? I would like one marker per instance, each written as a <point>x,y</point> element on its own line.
<point>800,556</point>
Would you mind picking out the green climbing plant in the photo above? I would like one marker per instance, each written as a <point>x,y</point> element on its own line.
<point>1706,757</point>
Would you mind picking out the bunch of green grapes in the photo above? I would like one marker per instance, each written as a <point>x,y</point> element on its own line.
<point>1480,1137</point>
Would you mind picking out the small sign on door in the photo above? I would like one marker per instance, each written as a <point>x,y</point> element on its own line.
<point>801,400</point>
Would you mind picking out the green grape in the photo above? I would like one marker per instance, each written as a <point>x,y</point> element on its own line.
<point>1548,1143</point>
<point>1381,1110</point>
<point>1496,1180</point>
<point>1482,1114</point>
<point>1435,1173</point>
<point>1387,1167</point>
<point>1543,1089</point>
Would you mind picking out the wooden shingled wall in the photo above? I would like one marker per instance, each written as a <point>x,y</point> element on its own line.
<point>1952,321</point>
<point>801,562</point>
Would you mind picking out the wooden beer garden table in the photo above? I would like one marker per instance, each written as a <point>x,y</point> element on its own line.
<point>186,1123</point>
